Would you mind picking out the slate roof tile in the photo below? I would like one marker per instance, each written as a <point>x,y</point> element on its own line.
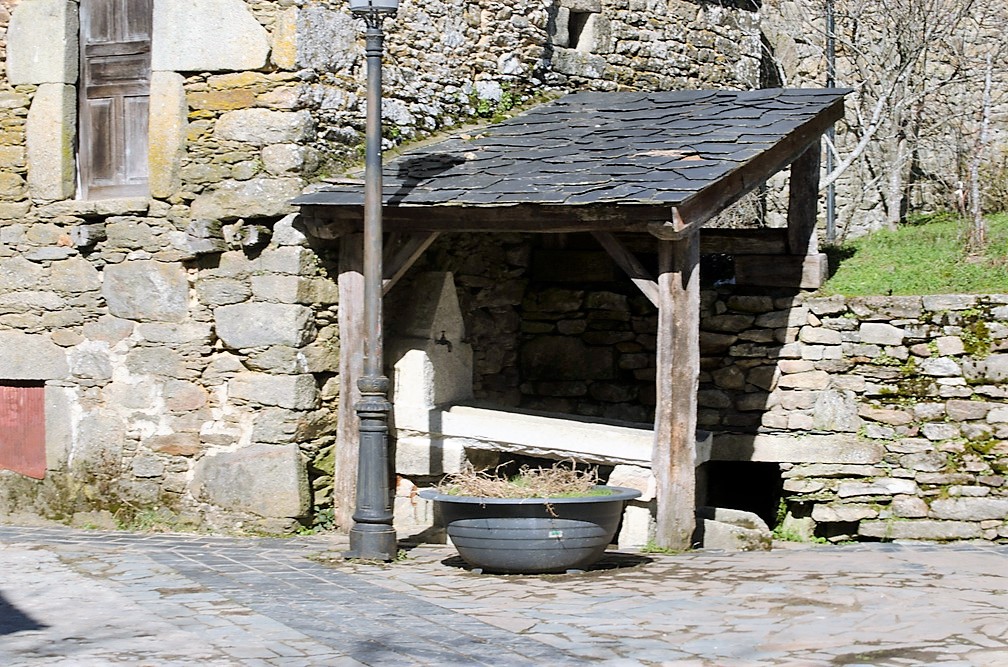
<point>596,148</point>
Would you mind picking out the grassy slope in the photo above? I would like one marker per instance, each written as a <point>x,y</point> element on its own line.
<point>921,259</point>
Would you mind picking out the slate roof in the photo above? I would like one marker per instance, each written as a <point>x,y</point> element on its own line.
<point>696,151</point>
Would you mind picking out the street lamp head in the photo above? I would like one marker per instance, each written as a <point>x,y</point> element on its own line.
<point>374,6</point>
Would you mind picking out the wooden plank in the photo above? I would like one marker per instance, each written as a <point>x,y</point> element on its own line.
<point>626,261</point>
<point>743,241</point>
<point>531,218</point>
<point>803,203</point>
<point>804,271</point>
<point>400,262</point>
<point>717,240</point>
<point>22,428</point>
<point>351,366</point>
<point>678,363</point>
<point>113,97</point>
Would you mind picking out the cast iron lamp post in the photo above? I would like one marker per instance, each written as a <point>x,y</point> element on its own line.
<point>372,536</point>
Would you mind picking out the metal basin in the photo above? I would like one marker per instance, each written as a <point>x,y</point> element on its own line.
<point>531,535</point>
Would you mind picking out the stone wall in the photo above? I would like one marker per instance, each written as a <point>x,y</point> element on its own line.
<point>451,61</point>
<point>552,328</point>
<point>915,387</point>
<point>187,339</point>
<point>885,417</point>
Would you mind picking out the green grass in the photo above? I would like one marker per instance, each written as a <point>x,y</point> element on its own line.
<point>922,258</point>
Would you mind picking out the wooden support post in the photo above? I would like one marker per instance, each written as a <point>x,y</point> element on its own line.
<point>674,456</point>
<point>803,203</point>
<point>351,367</point>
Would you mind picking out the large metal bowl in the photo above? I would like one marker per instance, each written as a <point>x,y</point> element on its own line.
<point>531,535</point>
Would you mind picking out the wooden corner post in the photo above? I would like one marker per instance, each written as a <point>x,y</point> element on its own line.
<point>678,350</point>
<point>803,210</point>
<point>803,203</point>
<point>351,367</point>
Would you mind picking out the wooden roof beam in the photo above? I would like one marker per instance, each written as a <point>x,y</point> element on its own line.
<point>329,221</point>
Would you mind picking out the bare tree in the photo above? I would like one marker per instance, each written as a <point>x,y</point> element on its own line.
<point>977,238</point>
<point>917,70</point>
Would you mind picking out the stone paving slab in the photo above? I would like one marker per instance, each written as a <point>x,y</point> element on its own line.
<point>71,597</point>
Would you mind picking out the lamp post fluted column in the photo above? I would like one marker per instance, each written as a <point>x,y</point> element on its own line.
<point>372,535</point>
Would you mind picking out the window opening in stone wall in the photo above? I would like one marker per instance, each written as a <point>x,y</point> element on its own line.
<point>22,428</point>
<point>576,27</point>
<point>114,92</point>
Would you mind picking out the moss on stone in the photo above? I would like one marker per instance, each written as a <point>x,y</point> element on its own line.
<point>976,338</point>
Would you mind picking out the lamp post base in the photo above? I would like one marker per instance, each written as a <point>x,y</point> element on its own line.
<point>372,536</point>
<point>372,542</point>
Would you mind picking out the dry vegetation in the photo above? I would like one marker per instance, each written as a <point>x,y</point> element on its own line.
<point>554,482</point>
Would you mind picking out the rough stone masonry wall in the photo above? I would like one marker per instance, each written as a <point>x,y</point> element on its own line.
<point>452,60</point>
<point>914,388</point>
<point>187,340</point>
<point>556,329</point>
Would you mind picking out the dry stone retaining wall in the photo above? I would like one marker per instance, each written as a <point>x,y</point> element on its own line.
<point>918,387</point>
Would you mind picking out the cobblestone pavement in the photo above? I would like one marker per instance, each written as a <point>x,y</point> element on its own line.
<point>72,597</point>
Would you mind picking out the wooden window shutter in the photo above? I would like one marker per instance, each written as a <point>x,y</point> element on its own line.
<point>22,428</point>
<point>115,42</point>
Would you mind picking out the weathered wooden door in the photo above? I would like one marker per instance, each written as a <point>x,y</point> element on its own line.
<point>22,429</point>
<point>115,46</point>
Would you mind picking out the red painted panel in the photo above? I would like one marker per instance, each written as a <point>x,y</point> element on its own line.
<point>22,429</point>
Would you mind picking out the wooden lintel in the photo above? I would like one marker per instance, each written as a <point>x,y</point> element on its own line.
<point>743,241</point>
<point>717,240</point>
<point>678,377</point>
<point>630,264</point>
<point>803,203</point>
<point>351,366</point>
<point>798,271</point>
<point>410,251</point>
<point>521,218</point>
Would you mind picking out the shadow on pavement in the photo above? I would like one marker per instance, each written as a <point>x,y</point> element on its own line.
<point>14,620</point>
<point>612,560</point>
